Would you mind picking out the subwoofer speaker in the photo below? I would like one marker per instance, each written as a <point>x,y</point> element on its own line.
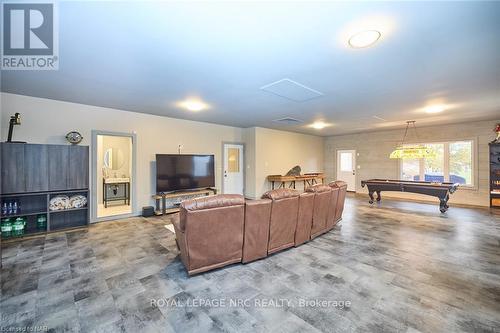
<point>148,211</point>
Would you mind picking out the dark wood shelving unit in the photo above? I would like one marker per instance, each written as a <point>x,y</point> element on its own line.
<point>494,175</point>
<point>33,174</point>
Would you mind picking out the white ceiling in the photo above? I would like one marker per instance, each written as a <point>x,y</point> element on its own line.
<point>146,56</point>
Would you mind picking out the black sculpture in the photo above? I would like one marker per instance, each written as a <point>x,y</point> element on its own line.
<point>14,120</point>
<point>295,171</point>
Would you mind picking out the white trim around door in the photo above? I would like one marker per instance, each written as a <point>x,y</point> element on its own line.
<point>233,168</point>
<point>94,174</point>
<point>346,167</point>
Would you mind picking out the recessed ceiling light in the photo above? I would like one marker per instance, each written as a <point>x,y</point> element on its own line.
<point>319,125</point>
<point>193,104</point>
<point>435,108</point>
<point>364,39</point>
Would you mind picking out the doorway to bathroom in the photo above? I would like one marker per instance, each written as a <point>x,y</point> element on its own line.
<point>113,180</point>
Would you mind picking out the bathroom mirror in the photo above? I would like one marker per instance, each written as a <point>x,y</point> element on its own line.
<point>114,158</point>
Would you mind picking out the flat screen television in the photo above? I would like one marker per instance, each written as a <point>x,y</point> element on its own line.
<point>184,172</point>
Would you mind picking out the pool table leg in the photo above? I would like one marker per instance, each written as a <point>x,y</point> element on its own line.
<point>443,204</point>
<point>370,193</point>
<point>378,196</point>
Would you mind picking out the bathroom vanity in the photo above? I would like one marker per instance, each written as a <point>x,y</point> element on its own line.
<point>116,189</point>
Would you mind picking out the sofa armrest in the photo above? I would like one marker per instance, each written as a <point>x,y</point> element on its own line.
<point>180,239</point>
<point>177,226</point>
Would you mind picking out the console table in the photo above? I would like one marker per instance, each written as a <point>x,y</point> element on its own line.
<point>168,203</point>
<point>308,179</point>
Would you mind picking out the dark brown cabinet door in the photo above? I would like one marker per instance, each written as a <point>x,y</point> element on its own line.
<point>12,168</point>
<point>58,167</point>
<point>36,167</point>
<point>78,167</point>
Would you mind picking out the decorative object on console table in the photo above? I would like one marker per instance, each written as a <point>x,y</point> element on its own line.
<point>295,171</point>
<point>495,174</point>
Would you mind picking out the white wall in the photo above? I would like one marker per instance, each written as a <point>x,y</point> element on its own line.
<point>273,152</point>
<point>267,151</point>
<point>48,121</point>
<point>249,139</point>
<point>374,149</point>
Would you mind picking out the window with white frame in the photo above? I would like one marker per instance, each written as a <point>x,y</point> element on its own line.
<point>453,162</point>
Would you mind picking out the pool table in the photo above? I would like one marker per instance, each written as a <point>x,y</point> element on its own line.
<point>439,190</point>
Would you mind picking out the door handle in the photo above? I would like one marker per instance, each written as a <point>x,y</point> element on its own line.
<point>353,172</point>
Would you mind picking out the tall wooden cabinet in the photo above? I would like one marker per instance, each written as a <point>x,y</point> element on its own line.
<point>78,173</point>
<point>38,168</point>
<point>32,174</point>
<point>36,164</point>
<point>12,165</point>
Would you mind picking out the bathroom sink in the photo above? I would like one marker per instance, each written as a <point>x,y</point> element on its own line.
<point>116,180</point>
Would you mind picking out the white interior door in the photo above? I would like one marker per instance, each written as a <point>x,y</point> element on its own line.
<point>233,169</point>
<point>346,168</point>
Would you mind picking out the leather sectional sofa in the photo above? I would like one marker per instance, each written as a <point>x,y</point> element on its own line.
<point>216,231</point>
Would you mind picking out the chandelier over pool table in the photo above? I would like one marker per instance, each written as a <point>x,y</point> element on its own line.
<point>411,150</point>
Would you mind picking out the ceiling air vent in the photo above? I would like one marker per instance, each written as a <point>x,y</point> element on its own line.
<point>288,121</point>
<point>291,90</point>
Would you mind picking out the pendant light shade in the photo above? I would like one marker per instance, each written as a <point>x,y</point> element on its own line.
<point>411,151</point>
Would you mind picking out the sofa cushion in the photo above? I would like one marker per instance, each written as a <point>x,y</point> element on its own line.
<point>304,218</point>
<point>281,193</point>
<point>256,234</point>
<point>283,224</point>
<point>215,201</point>
<point>322,196</point>
<point>318,188</point>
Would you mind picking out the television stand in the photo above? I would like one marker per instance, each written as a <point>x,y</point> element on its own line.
<point>168,203</point>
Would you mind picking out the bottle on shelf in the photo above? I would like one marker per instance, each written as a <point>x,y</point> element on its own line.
<point>15,207</point>
<point>4,208</point>
<point>18,227</point>
<point>6,228</point>
<point>10,208</point>
<point>41,222</point>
